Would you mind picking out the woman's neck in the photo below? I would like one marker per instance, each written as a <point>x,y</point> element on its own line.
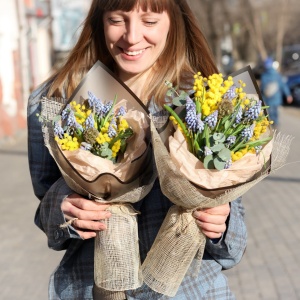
<point>136,83</point>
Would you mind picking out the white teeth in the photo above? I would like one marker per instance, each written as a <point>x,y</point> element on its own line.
<point>133,53</point>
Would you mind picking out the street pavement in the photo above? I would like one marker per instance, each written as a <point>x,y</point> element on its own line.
<point>269,269</point>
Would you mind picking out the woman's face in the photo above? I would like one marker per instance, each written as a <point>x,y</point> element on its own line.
<point>135,39</point>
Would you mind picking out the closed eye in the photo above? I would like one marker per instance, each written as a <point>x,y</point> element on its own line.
<point>116,21</point>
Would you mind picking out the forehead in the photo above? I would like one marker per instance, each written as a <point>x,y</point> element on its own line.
<point>128,5</point>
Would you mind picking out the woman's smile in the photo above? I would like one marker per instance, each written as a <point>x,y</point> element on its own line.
<point>132,55</point>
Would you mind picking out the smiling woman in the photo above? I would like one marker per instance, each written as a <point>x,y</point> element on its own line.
<point>144,43</point>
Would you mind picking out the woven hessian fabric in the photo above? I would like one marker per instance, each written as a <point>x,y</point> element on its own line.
<point>179,238</point>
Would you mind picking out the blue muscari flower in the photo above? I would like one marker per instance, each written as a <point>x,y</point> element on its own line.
<point>207,151</point>
<point>257,149</point>
<point>65,112</point>
<point>200,123</point>
<point>95,103</point>
<point>71,120</point>
<point>230,140</point>
<point>228,164</point>
<point>89,122</point>
<point>247,132</point>
<point>121,112</point>
<point>107,107</point>
<point>230,94</point>
<point>193,120</point>
<point>111,131</point>
<point>113,122</point>
<point>212,119</point>
<point>253,112</point>
<point>86,146</point>
<point>58,130</point>
<point>190,104</point>
<point>239,115</point>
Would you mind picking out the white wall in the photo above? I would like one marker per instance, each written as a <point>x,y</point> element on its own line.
<point>8,44</point>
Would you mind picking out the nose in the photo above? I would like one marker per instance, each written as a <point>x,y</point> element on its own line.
<point>133,33</point>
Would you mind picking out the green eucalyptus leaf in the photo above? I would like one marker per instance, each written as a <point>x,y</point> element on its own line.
<point>183,95</point>
<point>217,147</point>
<point>220,137</point>
<point>168,84</point>
<point>208,162</point>
<point>178,101</point>
<point>169,93</point>
<point>105,151</point>
<point>56,118</point>
<point>219,164</point>
<point>224,154</point>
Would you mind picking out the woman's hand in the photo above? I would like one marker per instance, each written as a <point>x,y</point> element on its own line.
<point>212,221</point>
<point>88,215</point>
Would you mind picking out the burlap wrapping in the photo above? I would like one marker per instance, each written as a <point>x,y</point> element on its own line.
<point>179,238</point>
<point>117,260</point>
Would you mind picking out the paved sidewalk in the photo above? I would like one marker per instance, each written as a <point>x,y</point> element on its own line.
<point>269,269</point>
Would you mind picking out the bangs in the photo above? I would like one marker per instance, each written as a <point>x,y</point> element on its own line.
<point>157,6</point>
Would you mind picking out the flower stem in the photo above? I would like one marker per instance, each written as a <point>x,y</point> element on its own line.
<point>181,124</point>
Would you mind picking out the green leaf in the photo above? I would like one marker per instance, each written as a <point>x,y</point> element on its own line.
<point>123,135</point>
<point>178,101</point>
<point>219,137</point>
<point>227,125</point>
<point>219,164</point>
<point>123,146</point>
<point>208,162</point>
<point>183,95</point>
<point>169,93</point>
<point>56,119</point>
<point>105,152</point>
<point>224,154</point>
<point>217,147</point>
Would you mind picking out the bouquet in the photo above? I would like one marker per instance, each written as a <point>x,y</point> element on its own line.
<point>103,150</point>
<point>219,128</point>
<point>221,148</point>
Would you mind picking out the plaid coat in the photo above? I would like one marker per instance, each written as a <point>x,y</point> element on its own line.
<point>73,278</point>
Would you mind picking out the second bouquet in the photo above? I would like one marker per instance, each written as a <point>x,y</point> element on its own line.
<point>221,147</point>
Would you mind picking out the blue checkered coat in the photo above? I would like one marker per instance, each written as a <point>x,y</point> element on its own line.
<point>73,278</point>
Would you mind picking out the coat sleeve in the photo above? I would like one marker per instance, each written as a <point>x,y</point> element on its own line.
<point>48,184</point>
<point>229,250</point>
<point>284,87</point>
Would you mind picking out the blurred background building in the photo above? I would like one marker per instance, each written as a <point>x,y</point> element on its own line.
<point>36,35</point>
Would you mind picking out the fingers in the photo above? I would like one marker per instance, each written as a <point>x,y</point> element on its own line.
<point>89,225</point>
<point>85,204</point>
<point>212,231</point>
<point>212,221</point>
<point>87,215</point>
<point>86,234</point>
<point>208,218</point>
<point>83,213</point>
<point>74,206</point>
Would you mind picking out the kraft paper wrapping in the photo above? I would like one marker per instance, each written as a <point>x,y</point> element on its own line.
<point>179,238</point>
<point>120,185</point>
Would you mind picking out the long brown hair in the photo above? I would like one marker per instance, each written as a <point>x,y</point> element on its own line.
<point>186,50</point>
